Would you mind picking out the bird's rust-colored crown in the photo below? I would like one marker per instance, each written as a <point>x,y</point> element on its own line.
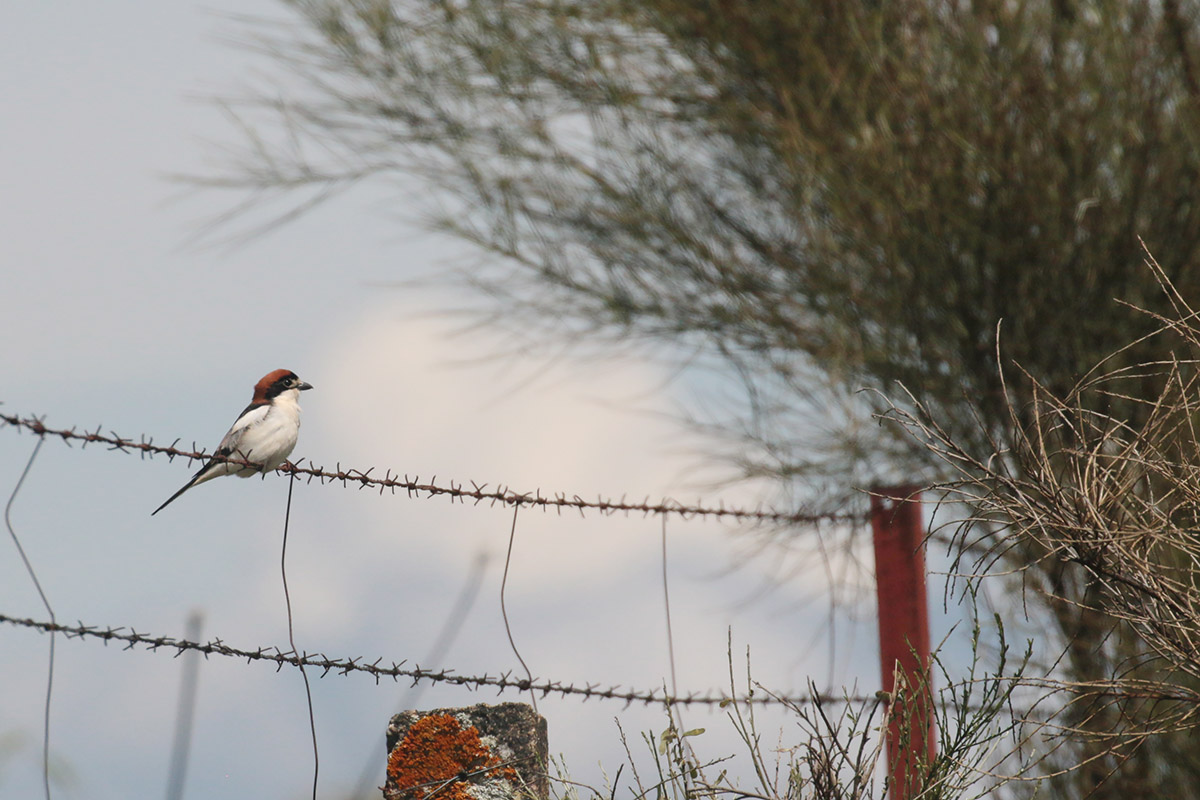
<point>263,387</point>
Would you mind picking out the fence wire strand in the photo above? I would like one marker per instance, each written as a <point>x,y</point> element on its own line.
<point>379,670</point>
<point>469,491</point>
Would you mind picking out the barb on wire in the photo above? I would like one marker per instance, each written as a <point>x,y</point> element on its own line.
<point>415,487</point>
<point>379,670</point>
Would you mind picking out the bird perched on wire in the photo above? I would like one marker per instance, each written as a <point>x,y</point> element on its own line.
<point>264,434</point>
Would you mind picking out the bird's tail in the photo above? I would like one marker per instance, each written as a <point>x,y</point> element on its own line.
<point>186,486</point>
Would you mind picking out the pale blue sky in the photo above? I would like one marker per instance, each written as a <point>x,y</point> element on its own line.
<point>111,316</point>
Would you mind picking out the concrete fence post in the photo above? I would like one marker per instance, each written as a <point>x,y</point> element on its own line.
<point>480,752</point>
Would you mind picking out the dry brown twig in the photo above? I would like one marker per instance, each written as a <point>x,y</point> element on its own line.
<point>1100,480</point>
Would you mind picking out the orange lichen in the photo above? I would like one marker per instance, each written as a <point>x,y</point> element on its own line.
<point>437,750</point>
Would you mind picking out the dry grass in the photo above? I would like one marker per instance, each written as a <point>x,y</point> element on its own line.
<point>1106,485</point>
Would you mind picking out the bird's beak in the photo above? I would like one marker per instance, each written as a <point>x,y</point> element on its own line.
<point>302,386</point>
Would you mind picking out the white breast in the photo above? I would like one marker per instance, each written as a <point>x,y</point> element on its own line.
<point>270,439</point>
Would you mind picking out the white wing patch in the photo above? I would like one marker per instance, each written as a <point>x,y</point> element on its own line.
<point>231,444</point>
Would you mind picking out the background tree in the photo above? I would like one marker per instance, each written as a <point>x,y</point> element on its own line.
<point>825,196</point>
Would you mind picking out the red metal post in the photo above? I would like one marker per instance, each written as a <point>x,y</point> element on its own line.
<point>903,632</point>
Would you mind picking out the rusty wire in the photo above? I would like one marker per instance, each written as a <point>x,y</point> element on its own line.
<point>378,669</point>
<point>1112,690</point>
<point>414,487</point>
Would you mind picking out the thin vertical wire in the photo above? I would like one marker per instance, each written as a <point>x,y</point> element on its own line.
<point>312,721</point>
<point>37,585</point>
<point>512,535</point>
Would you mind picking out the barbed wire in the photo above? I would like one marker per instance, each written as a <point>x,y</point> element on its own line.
<point>396,670</point>
<point>1117,690</point>
<point>414,487</point>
